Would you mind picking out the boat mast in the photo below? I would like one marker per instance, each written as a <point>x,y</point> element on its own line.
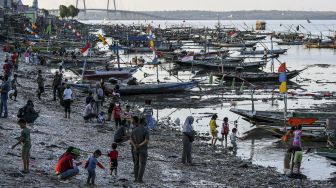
<point>285,111</point>
<point>272,65</point>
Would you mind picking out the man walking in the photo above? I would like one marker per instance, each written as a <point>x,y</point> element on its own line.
<point>4,89</point>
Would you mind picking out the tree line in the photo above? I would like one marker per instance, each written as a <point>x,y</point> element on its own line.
<point>70,11</point>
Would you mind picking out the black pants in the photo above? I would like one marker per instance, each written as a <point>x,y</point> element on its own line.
<point>67,104</point>
<point>91,177</point>
<point>140,164</point>
<point>57,90</point>
<point>40,91</point>
<point>117,122</point>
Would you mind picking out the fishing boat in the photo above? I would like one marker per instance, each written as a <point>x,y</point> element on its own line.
<point>234,44</point>
<point>256,76</point>
<point>120,73</point>
<point>258,52</point>
<point>327,152</point>
<point>290,42</point>
<point>224,64</point>
<point>151,88</point>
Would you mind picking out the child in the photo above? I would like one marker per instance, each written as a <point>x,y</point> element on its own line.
<point>225,130</point>
<point>101,118</point>
<point>297,137</point>
<point>233,138</point>
<point>109,111</point>
<point>91,167</point>
<point>113,159</point>
<point>24,139</point>
<point>128,117</point>
<point>213,130</point>
<point>117,114</point>
<point>148,112</point>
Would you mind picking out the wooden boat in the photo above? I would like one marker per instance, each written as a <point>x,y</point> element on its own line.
<point>69,60</point>
<point>122,73</point>
<point>321,45</point>
<point>154,88</point>
<point>290,42</point>
<point>258,52</point>
<point>256,76</point>
<point>234,44</point>
<point>276,118</point>
<point>253,37</point>
<point>227,65</point>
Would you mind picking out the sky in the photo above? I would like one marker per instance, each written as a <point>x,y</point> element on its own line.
<point>211,5</point>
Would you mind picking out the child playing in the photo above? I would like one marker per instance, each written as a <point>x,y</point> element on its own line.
<point>24,139</point>
<point>233,138</point>
<point>213,130</point>
<point>225,130</point>
<point>297,137</point>
<point>113,159</point>
<point>91,167</point>
<point>117,114</point>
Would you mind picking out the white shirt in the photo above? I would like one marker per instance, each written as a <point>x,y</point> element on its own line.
<point>233,137</point>
<point>67,94</point>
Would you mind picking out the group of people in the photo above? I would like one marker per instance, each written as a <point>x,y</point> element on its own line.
<point>67,165</point>
<point>224,132</point>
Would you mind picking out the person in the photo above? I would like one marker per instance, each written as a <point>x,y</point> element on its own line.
<point>233,138</point>
<point>40,84</point>
<point>109,111</point>
<point>28,112</point>
<point>7,68</point>
<point>140,140</point>
<point>117,114</point>
<point>27,56</point>
<point>127,117</point>
<point>66,166</point>
<point>15,61</point>
<point>89,111</point>
<point>132,82</point>
<point>4,89</point>
<point>98,96</point>
<point>188,138</point>
<point>89,98</point>
<point>67,98</point>
<point>101,118</point>
<point>14,84</point>
<point>225,130</point>
<point>297,137</point>
<point>213,130</point>
<point>56,85</point>
<point>113,155</point>
<point>120,135</point>
<point>91,167</point>
<point>24,139</point>
<point>148,112</point>
<point>288,137</point>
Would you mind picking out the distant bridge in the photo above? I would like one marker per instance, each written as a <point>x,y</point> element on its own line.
<point>135,14</point>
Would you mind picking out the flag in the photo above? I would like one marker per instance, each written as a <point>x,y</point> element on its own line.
<point>233,34</point>
<point>282,78</point>
<point>85,50</point>
<point>102,39</point>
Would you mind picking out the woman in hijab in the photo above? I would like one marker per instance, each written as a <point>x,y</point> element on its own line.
<point>188,138</point>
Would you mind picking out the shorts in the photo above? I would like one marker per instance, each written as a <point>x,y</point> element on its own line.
<point>25,152</point>
<point>114,164</point>
<point>298,157</point>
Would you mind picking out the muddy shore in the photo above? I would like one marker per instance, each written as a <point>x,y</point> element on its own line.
<point>51,134</point>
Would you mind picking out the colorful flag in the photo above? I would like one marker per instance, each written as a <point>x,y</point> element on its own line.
<point>282,78</point>
<point>233,34</point>
<point>85,50</point>
<point>102,39</point>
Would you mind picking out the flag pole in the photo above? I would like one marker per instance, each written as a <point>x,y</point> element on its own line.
<point>285,111</point>
<point>84,66</point>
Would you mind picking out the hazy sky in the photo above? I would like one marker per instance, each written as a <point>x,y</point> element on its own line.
<point>215,5</point>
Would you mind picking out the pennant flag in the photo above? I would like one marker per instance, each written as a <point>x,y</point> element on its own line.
<point>85,50</point>
<point>283,87</point>
<point>102,39</point>
<point>282,78</point>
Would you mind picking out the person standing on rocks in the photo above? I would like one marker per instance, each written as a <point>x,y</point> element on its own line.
<point>139,140</point>
<point>4,89</point>
<point>56,85</point>
<point>14,84</point>
<point>24,139</point>
<point>67,98</point>
<point>213,129</point>
<point>188,138</point>
<point>40,84</point>
<point>91,167</point>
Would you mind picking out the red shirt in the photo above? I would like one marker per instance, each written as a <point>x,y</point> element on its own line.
<point>7,67</point>
<point>14,57</point>
<point>113,155</point>
<point>65,163</point>
<point>117,112</point>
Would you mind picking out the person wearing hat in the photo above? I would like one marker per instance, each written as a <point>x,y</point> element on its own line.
<point>66,167</point>
<point>56,85</point>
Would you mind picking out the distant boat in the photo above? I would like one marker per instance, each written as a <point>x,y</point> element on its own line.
<point>258,52</point>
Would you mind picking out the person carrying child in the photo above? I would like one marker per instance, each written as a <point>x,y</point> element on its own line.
<point>91,167</point>
<point>113,155</point>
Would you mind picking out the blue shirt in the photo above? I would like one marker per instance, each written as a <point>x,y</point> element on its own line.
<point>148,110</point>
<point>5,87</point>
<point>92,163</point>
